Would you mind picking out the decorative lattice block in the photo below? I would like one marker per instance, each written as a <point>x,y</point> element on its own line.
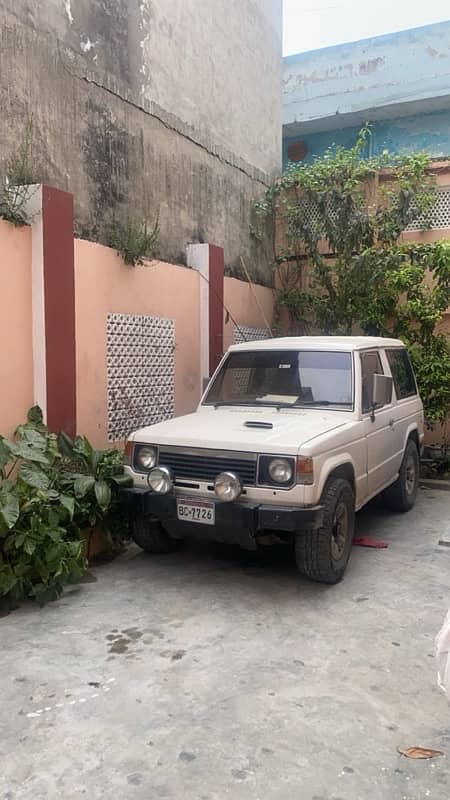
<point>245,334</point>
<point>439,216</point>
<point>141,372</point>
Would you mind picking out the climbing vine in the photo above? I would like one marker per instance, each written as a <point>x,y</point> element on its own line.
<point>341,263</point>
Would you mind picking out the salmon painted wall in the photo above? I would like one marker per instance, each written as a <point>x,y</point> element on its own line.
<point>104,285</point>
<point>16,355</point>
<point>246,305</point>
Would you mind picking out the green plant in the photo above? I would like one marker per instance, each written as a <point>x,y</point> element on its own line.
<point>93,477</point>
<point>37,554</point>
<point>134,241</point>
<point>342,265</point>
<point>19,174</point>
<point>432,367</point>
<point>51,488</point>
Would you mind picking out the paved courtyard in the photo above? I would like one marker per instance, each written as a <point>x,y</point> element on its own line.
<point>215,673</point>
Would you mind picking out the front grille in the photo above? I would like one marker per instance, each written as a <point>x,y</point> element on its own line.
<point>206,466</point>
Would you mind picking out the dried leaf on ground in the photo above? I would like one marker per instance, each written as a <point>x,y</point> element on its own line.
<point>419,752</point>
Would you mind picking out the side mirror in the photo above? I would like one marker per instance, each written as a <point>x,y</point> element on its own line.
<point>381,391</point>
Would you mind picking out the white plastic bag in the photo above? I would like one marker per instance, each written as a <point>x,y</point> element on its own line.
<point>443,656</point>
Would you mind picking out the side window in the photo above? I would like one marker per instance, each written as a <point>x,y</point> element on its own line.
<point>370,364</point>
<point>402,373</point>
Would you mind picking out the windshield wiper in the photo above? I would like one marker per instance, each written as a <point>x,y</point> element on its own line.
<point>322,403</point>
<point>266,403</point>
<point>220,403</point>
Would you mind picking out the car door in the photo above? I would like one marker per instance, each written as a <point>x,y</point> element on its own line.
<point>381,450</point>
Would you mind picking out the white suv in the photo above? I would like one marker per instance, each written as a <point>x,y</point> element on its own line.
<point>291,437</point>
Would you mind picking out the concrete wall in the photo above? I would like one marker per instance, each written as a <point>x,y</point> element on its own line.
<point>104,285</point>
<point>16,357</point>
<point>154,108</point>
<point>249,306</point>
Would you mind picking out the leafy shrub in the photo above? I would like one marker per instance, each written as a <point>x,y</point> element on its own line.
<point>343,268</point>
<point>44,505</point>
<point>432,367</point>
<point>37,555</point>
<point>93,476</point>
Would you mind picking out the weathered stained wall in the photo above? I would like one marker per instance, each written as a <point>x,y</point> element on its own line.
<point>410,66</point>
<point>399,82</point>
<point>158,108</point>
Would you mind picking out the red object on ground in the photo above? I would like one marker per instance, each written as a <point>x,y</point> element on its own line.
<point>366,541</point>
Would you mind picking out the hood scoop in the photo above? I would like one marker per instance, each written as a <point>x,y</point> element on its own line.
<point>257,424</point>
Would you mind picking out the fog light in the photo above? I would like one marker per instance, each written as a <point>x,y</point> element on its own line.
<point>160,480</point>
<point>280,470</point>
<point>227,486</point>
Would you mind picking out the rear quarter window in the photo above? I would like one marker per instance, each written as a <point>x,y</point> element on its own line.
<point>402,373</point>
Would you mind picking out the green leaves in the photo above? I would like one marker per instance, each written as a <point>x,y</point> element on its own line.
<point>83,485</point>
<point>135,240</point>
<point>34,476</point>
<point>58,486</point>
<point>9,507</point>
<point>342,266</point>
<point>29,451</point>
<point>103,494</point>
<point>35,416</point>
<point>68,503</point>
<point>5,453</point>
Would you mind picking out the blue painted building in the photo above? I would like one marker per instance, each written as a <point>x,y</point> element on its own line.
<point>399,82</point>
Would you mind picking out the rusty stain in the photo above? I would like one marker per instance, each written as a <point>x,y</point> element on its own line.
<point>432,52</point>
<point>371,65</point>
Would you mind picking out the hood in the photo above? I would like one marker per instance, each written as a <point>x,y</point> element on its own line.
<point>225,429</point>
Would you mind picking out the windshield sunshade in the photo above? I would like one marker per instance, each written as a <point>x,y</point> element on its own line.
<point>284,378</point>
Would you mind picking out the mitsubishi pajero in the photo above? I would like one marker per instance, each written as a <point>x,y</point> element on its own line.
<point>292,436</point>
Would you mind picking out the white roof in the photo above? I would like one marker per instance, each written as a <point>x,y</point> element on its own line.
<point>343,343</point>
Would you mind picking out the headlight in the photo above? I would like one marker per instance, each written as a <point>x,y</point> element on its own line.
<point>145,457</point>
<point>280,470</point>
<point>160,480</point>
<point>227,486</point>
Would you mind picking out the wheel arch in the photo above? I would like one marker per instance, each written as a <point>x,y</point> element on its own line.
<point>413,434</point>
<point>342,468</point>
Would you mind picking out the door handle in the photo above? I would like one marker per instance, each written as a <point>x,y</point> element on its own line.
<point>391,422</point>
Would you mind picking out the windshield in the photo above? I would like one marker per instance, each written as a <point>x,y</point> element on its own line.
<point>284,378</point>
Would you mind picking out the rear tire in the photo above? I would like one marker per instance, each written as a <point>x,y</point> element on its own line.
<point>322,555</point>
<point>150,535</point>
<point>401,496</point>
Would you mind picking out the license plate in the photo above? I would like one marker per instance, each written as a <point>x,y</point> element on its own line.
<point>195,511</point>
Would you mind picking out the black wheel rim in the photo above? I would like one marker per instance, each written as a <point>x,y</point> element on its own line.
<point>410,476</point>
<point>339,534</point>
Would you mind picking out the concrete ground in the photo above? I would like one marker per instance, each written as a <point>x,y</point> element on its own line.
<point>213,674</point>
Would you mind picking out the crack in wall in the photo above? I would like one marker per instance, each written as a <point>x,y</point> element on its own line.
<point>170,121</point>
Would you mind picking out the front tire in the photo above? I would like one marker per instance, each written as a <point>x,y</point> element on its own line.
<point>401,496</point>
<point>323,555</point>
<point>150,535</point>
